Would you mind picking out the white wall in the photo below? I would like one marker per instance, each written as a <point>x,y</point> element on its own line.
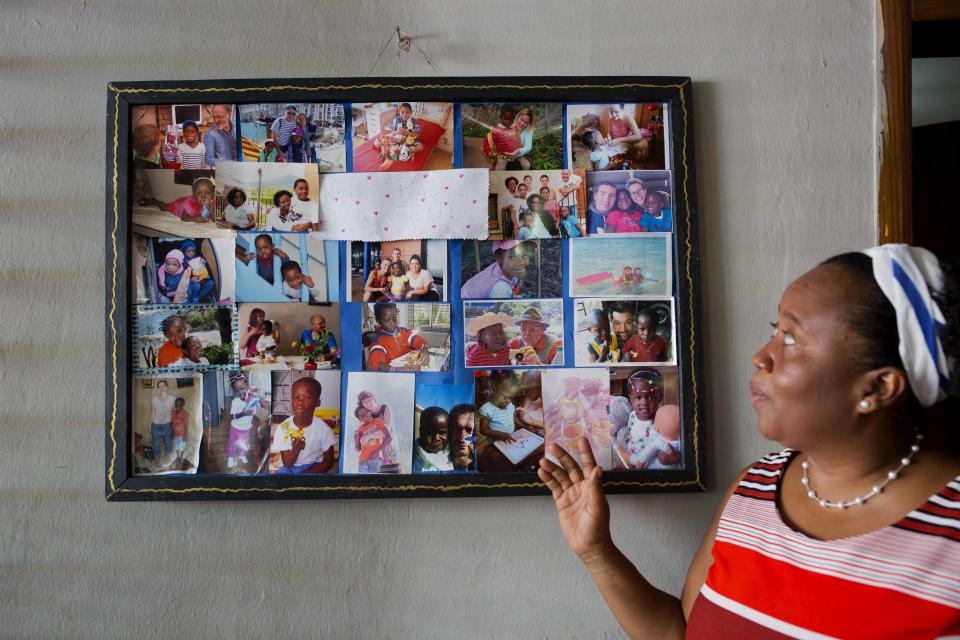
<point>784,115</point>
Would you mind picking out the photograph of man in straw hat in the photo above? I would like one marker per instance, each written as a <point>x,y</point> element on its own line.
<point>518,334</point>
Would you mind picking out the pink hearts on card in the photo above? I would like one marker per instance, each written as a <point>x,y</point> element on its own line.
<point>445,188</point>
<point>356,202</point>
<point>386,228</point>
<point>423,199</point>
<point>369,177</point>
<point>444,203</point>
<point>336,199</point>
<point>461,175</point>
<point>343,230</point>
<point>386,195</point>
<point>468,226</point>
<point>376,213</point>
<point>474,202</point>
<point>425,175</point>
<point>434,226</point>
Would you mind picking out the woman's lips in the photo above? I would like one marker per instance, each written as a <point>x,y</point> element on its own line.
<point>756,395</point>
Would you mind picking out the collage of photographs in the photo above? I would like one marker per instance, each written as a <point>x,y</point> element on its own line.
<point>262,346</point>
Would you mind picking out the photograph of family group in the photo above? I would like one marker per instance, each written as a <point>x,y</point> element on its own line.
<point>621,332</point>
<point>503,137</point>
<point>282,336</point>
<point>608,137</point>
<point>182,136</point>
<point>510,269</point>
<point>268,196</point>
<point>402,136</point>
<point>398,271</point>
<point>183,337</point>
<point>629,202</point>
<point>537,205</point>
<point>183,270</point>
<point>513,334</point>
<point>286,267</point>
<point>294,132</point>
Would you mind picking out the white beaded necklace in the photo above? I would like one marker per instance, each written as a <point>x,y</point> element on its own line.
<point>874,490</point>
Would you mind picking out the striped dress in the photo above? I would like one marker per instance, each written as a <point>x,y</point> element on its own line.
<point>769,581</point>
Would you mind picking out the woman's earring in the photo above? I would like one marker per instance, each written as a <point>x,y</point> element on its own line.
<point>864,404</point>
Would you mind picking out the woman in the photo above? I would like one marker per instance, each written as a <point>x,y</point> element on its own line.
<point>849,384</point>
<point>161,422</point>
<point>377,285</point>
<point>550,204</point>
<point>251,333</point>
<point>523,130</point>
<point>421,284</point>
<point>368,401</point>
<point>543,226</point>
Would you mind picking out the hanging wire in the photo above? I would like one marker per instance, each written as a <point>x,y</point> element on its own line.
<point>404,42</point>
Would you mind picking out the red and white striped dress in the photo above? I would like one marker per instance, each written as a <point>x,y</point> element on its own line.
<point>769,581</point>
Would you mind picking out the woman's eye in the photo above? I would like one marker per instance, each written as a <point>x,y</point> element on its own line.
<point>788,339</point>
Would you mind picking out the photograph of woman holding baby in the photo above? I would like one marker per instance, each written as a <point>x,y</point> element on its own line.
<point>606,137</point>
<point>512,136</point>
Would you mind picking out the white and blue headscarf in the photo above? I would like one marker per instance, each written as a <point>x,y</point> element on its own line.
<point>907,276</point>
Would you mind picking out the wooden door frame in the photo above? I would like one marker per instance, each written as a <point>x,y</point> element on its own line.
<point>894,33</point>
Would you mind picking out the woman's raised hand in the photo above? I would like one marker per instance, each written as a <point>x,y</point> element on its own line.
<point>581,505</point>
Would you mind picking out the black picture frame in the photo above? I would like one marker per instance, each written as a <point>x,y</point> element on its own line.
<point>119,482</point>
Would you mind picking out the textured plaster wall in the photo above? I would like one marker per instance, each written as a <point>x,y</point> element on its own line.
<point>784,105</point>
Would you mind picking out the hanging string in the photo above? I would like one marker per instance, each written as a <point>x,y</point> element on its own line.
<point>404,42</point>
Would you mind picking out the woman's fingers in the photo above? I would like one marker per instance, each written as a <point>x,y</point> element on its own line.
<point>557,473</point>
<point>566,460</point>
<point>551,483</point>
<point>586,455</point>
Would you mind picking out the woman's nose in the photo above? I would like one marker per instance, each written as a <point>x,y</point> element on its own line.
<point>762,360</point>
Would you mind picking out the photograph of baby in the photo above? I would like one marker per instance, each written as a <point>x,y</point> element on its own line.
<point>176,203</point>
<point>537,204</point>
<point>305,428</point>
<point>236,420</point>
<point>378,423</point>
<point>501,137</point>
<point>286,267</point>
<point>510,420</point>
<point>576,405</point>
<point>401,270</point>
<point>607,137</point>
<point>617,266</point>
<point>629,202</point>
<point>402,136</point>
<point>513,334</point>
<point>294,132</point>
<point>167,428</point>
<point>622,332</point>
<point>183,270</point>
<point>182,136</point>
<point>406,337</point>
<point>279,336</point>
<point>268,196</point>
<point>510,269</point>
<point>183,337</point>
<point>443,429</point>
<point>645,414</point>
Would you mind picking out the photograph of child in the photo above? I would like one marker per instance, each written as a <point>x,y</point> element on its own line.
<point>444,417</point>
<point>184,337</point>
<point>402,136</point>
<point>182,136</point>
<point>176,203</point>
<point>504,334</point>
<point>286,267</point>
<point>279,196</point>
<point>406,337</point>
<point>498,269</point>
<point>512,136</point>
<point>537,204</point>
<point>305,428</point>
<point>623,332</point>
<point>298,132</point>
<point>378,423</point>
<point>612,266</point>
<point>646,427</point>
<point>183,270</point>
<point>235,420</point>
<point>576,404</point>
<point>607,137</point>
<point>629,202</point>
<point>167,429</point>
<point>398,271</point>
<point>510,412</point>
<point>279,336</point>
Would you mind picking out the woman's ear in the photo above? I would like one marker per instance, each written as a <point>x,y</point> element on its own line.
<point>883,388</point>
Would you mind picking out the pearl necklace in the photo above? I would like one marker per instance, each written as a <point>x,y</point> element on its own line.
<point>875,490</point>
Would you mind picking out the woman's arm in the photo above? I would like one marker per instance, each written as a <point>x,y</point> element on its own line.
<point>635,135</point>
<point>526,139</point>
<point>245,337</point>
